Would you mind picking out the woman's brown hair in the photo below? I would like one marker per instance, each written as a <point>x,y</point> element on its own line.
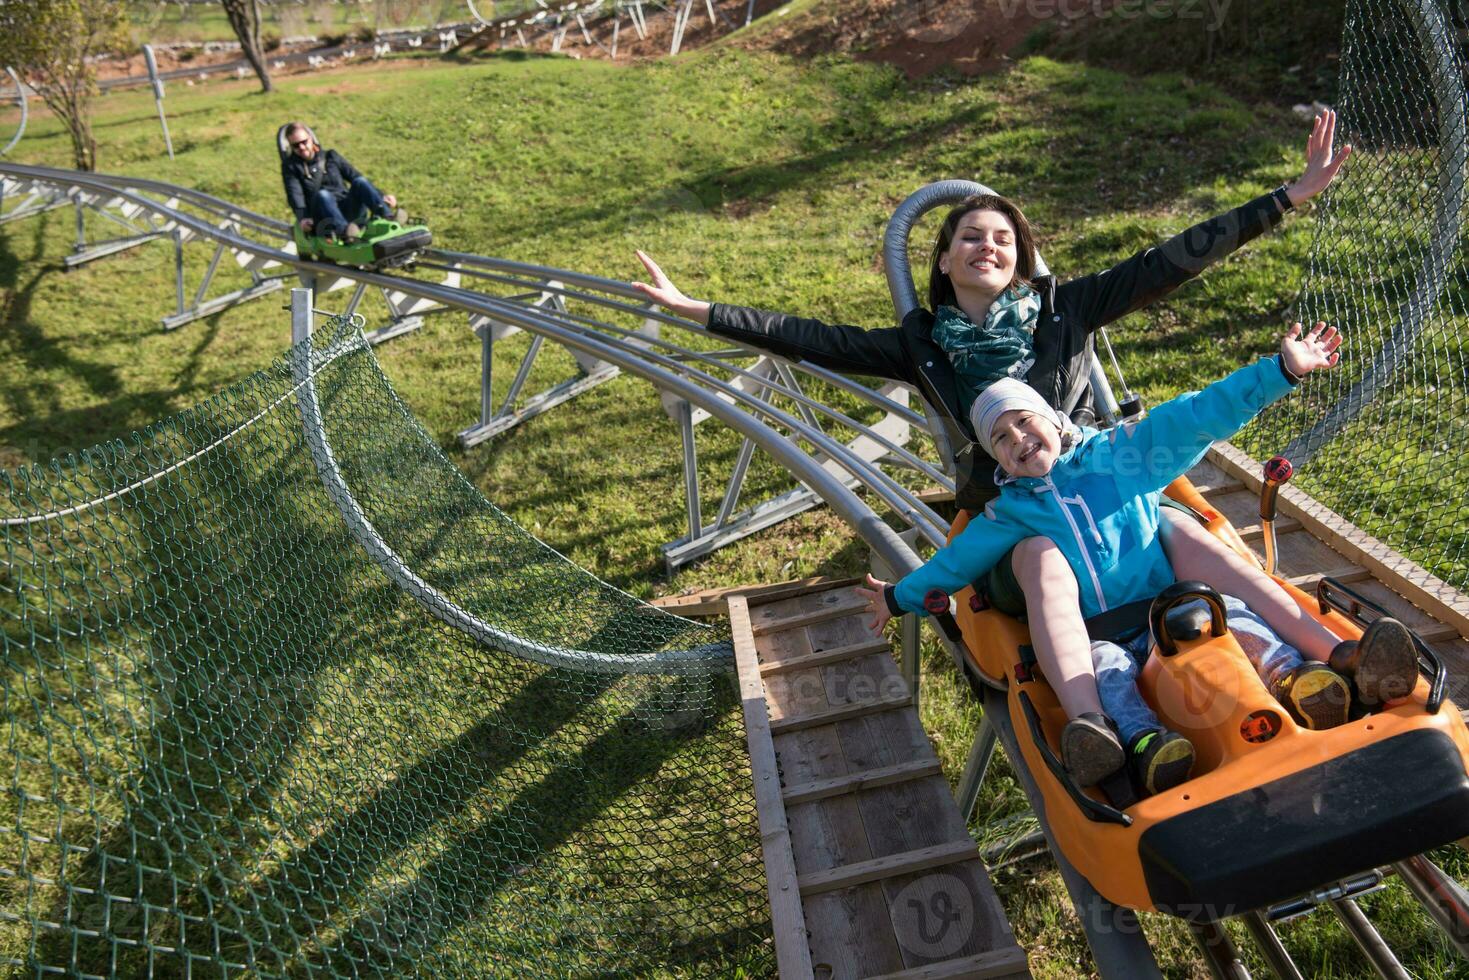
<point>940,287</point>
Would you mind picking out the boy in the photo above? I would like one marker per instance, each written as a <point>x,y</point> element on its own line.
<point>1096,494</point>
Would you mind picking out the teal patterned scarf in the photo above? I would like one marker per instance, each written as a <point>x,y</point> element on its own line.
<point>1002,348</point>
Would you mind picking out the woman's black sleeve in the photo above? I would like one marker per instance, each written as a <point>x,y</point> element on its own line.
<point>850,350</point>
<point>1155,272</point>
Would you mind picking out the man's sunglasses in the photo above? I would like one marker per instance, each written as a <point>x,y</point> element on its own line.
<point>297,143</point>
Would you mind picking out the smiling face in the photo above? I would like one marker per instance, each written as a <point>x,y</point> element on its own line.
<point>1025,443</point>
<point>981,258</point>
<point>301,144</point>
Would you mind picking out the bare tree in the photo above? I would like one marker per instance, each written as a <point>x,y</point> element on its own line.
<point>52,43</point>
<point>244,17</point>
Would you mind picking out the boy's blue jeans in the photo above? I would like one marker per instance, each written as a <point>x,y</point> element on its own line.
<point>328,211</point>
<point>1118,666</point>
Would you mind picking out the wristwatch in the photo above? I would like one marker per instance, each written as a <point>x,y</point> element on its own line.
<point>1282,198</point>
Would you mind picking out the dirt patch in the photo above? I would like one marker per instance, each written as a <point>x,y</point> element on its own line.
<point>919,36</point>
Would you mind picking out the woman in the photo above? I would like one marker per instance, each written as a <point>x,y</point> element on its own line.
<point>993,317</point>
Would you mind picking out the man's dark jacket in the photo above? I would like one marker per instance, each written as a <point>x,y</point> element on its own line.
<point>1069,313</point>
<point>328,171</point>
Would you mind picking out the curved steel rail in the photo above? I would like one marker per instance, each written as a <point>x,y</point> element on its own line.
<point>740,410</point>
<point>20,97</point>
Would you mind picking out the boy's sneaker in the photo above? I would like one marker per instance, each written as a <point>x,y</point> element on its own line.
<point>1090,748</point>
<point>1384,663</point>
<point>1316,696</point>
<point>400,215</point>
<point>353,233</point>
<point>1160,760</point>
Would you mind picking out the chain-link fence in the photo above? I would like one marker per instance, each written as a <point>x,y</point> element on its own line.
<point>1384,435</point>
<point>236,745</point>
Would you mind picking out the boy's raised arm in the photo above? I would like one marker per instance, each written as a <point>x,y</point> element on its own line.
<point>1172,438</point>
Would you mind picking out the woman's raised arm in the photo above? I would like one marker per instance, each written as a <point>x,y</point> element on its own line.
<point>663,292</point>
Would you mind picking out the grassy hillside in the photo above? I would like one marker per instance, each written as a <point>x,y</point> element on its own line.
<point>753,179</point>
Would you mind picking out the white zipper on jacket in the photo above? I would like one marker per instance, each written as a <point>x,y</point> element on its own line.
<point>1091,523</point>
<point>1080,541</point>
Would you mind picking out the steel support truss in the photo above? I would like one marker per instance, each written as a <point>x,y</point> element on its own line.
<point>512,409</point>
<point>766,378</point>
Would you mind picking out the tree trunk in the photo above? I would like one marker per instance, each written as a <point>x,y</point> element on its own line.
<point>67,100</point>
<point>244,17</point>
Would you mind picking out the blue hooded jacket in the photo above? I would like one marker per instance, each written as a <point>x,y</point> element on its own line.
<point>1099,503</point>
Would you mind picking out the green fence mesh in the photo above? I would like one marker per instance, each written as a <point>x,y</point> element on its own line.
<point>1385,434</point>
<point>237,747</point>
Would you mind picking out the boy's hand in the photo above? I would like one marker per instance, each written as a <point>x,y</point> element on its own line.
<point>1322,162</point>
<point>876,604</point>
<point>1313,352</point>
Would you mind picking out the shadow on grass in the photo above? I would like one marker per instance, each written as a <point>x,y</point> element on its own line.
<point>50,358</point>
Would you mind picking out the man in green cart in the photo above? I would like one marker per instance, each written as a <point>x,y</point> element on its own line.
<point>325,192</point>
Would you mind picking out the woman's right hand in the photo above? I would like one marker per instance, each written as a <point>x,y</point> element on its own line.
<point>667,295</point>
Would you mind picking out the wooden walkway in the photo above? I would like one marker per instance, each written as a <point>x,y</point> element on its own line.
<point>870,868</point>
<point>1313,541</point>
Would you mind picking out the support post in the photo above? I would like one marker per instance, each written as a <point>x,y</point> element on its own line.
<point>300,315</point>
<point>691,470</point>
<point>178,267</point>
<point>1369,940</point>
<point>1272,951</point>
<point>1220,955</point>
<point>1441,897</point>
<point>486,360</point>
<point>911,673</point>
<point>976,767</point>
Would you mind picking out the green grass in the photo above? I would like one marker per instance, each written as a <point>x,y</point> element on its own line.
<point>753,179</point>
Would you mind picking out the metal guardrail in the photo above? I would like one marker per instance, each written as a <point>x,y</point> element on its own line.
<point>696,383</point>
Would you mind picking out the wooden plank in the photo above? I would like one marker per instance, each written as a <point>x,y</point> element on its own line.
<point>1417,584</point>
<point>975,922</point>
<point>1440,633</point>
<point>788,920</point>
<point>849,933</point>
<point>935,495</point>
<point>1346,575</point>
<point>1301,554</point>
<point>867,779</point>
<point>823,657</point>
<point>888,865</point>
<point>772,611</point>
<point>849,605</point>
<point>1256,532</point>
<point>862,680</point>
<point>826,716</point>
<point>714,601</point>
<point>982,966</point>
<point>1207,490</point>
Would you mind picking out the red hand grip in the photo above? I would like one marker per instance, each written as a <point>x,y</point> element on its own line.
<point>1279,470</point>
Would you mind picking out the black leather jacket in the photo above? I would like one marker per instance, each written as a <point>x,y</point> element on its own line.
<point>1070,312</point>
<point>328,171</point>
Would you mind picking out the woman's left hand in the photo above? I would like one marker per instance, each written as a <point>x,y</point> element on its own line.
<point>1322,160</point>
